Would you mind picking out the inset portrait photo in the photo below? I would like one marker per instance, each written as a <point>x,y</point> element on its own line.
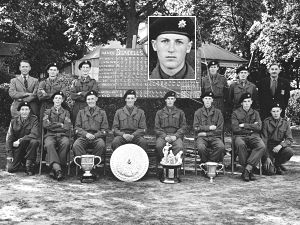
<point>171,43</point>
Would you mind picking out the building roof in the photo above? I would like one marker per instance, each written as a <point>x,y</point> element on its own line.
<point>8,49</point>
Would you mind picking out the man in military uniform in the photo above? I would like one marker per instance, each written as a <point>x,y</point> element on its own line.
<point>246,127</point>
<point>23,88</point>
<point>91,128</point>
<point>215,83</point>
<point>22,140</point>
<point>57,123</point>
<point>81,86</point>
<point>208,126</point>
<point>170,125</point>
<point>129,124</point>
<point>277,136</point>
<point>49,86</point>
<point>242,86</point>
<point>172,38</point>
<point>273,89</point>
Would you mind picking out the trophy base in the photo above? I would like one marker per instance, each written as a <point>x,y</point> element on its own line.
<point>88,179</point>
<point>171,174</point>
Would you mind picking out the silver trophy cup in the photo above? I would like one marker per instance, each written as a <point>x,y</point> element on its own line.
<point>211,169</point>
<point>87,164</point>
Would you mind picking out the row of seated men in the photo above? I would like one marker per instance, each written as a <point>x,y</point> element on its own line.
<point>252,139</point>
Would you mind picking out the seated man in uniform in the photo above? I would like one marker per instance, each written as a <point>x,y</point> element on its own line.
<point>208,125</point>
<point>277,136</point>
<point>129,124</point>
<point>172,38</point>
<point>22,140</point>
<point>170,125</point>
<point>91,128</point>
<point>246,127</point>
<point>57,123</point>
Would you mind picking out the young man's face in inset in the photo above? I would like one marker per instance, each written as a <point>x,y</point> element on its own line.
<point>247,103</point>
<point>130,100</point>
<point>274,70</point>
<point>53,71</point>
<point>85,70</point>
<point>243,74</point>
<point>207,101</point>
<point>213,69</point>
<point>24,111</point>
<point>58,100</point>
<point>24,68</point>
<point>91,100</point>
<point>170,101</point>
<point>276,112</point>
<point>171,50</point>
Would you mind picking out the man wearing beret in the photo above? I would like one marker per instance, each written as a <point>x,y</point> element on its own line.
<point>277,135</point>
<point>246,127</point>
<point>273,89</point>
<point>215,83</point>
<point>49,86</point>
<point>170,125</point>
<point>171,39</point>
<point>242,86</point>
<point>129,124</point>
<point>23,88</point>
<point>22,140</point>
<point>208,126</point>
<point>91,128</point>
<point>81,86</point>
<point>57,123</point>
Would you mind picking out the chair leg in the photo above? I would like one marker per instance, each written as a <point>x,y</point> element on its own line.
<point>195,156</point>
<point>232,159</point>
<point>41,159</point>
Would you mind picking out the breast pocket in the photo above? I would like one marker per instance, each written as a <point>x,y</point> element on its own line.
<point>175,120</point>
<point>164,121</point>
<point>218,89</point>
<point>123,121</point>
<point>281,134</point>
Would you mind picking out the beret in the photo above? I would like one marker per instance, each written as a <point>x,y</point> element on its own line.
<point>208,94</point>
<point>243,67</point>
<point>245,96</point>
<point>58,93</point>
<point>84,62</point>
<point>171,25</point>
<point>170,94</point>
<point>212,63</point>
<point>23,104</point>
<point>51,65</point>
<point>92,92</point>
<point>276,105</point>
<point>129,92</point>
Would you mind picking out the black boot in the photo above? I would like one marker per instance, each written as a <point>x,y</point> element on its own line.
<point>59,175</point>
<point>29,169</point>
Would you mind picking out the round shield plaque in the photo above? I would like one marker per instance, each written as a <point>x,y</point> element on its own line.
<point>129,162</point>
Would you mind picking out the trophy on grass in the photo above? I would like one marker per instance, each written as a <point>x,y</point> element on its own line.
<point>87,164</point>
<point>211,169</point>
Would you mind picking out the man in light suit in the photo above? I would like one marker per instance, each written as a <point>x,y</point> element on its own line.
<point>24,88</point>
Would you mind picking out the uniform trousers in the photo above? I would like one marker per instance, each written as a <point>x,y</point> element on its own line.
<point>25,152</point>
<point>280,157</point>
<point>83,146</point>
<point>57,149</point>
<point>250,149</point>
<point>177,146</point>
<point>118,141</point>
<point>211,149</point>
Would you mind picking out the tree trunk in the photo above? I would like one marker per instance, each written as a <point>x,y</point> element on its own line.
<point>132,24</point>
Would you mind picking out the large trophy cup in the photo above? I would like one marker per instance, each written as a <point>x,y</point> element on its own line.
<point>212,170</point>
<point>87,164</point>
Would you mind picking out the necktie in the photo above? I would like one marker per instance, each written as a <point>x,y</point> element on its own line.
<point>273,86</point>
<point>25,82</point>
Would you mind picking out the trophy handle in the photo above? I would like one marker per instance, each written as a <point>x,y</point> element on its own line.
<point>221,169</point>
<point>202,168</point>
<point>77,157</point>
<point>97,157</point>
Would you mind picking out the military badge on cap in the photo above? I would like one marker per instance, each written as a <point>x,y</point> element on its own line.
<point>129,92</point>
<point>212,63</point>
<point>58,93</point>
<point>208,94</point>
<point>241,68</point>
<point>276,105</point>
<point>245,96</point>
<point>83,63</point>
<point>51,65</point>
<point>170,94</point>
<point>23,104</point>
<point>92,92</point>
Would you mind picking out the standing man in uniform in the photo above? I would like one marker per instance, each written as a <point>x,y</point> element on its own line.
<point>208,126</point>
<point>48,87</point>
<point>246,127</point>
<point>81,86</point>
<point>170,125</point>
<point>22,140</point>
<point>273,89</point>
<point>172,38</point>
<point>277,136</point>
<point>240,87</point>
<point>91,128</point>
<point>129,124</point>
<point>215,83</point>
<point>24,88</point>
<point>57,123</point>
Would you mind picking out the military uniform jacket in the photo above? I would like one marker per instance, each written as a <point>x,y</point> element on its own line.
<point>173,122</point>
<point>218,85</point>
<point>126,123</point>
<point>26,130</point>
<point>17,88</point>
<point>188,73</point>
<point>83,86</point>
<point>50,87</point>
<point>57,122</point>
<point>250,119</point>
<point>95,124</point>
<point>237,89</point>
<point>279,133</point>
<point>204,119</point>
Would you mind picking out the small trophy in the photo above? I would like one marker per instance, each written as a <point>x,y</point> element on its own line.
<point>211,171</point>
<point>87,164</point>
